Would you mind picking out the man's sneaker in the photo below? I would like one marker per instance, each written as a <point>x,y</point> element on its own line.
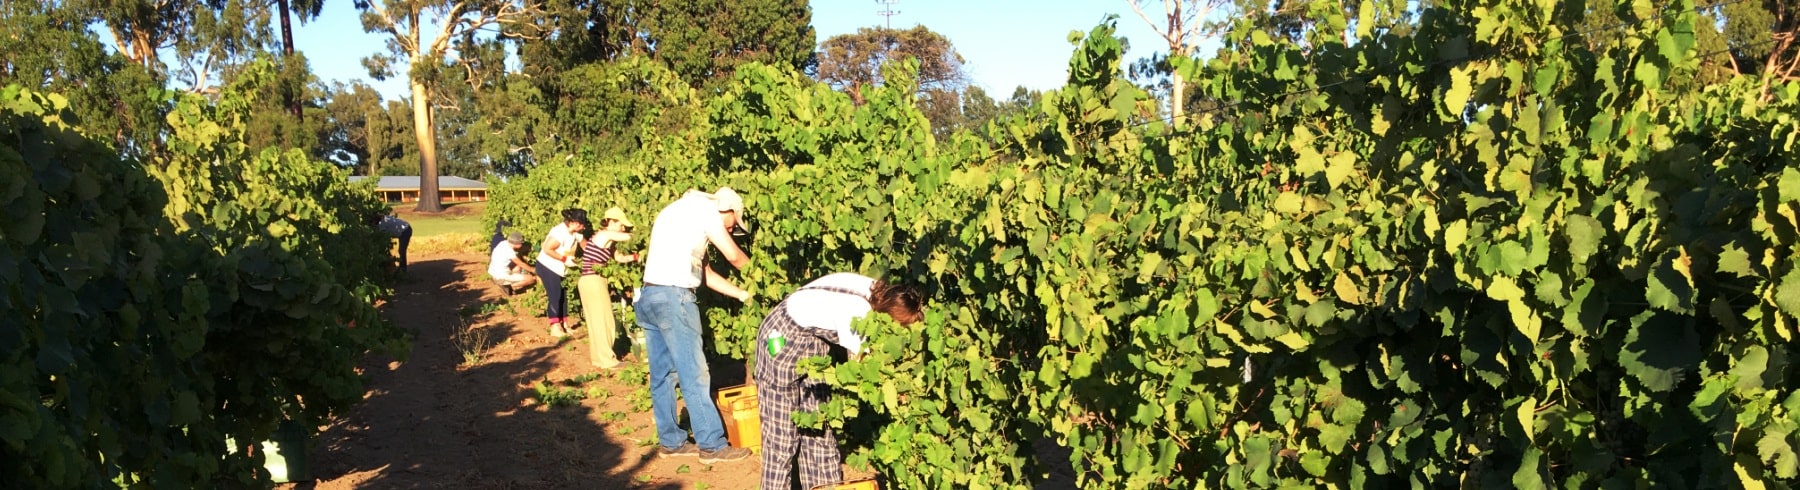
<point>686,449</point>
<point>726,453</point>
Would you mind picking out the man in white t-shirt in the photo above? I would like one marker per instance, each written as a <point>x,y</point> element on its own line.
<point>801,327</point>
<point>673,266</point>
<point>507,268</point>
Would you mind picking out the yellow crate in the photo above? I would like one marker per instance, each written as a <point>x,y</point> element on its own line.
<point>741,413</point>
<point>733,393</point>
<point>863,484</point>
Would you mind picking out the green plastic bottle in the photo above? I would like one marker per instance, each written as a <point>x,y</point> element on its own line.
<point>776,343</point>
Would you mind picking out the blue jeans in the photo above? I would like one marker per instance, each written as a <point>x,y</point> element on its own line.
<point>671,322</point>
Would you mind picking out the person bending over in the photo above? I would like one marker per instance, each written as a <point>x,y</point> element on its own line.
<point>803,326</point>
<point>596,294</point>
<point>399,229</point>
<point>555,254</point>
<point>667,311</point>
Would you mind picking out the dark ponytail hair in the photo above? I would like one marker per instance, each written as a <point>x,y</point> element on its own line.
<point>574,215</point>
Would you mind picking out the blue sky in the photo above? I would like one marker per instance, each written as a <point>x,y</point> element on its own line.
<point>1004,43</point>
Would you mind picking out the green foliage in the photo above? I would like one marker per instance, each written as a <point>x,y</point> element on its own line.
<point>611,74</point>
<point>707,40</point>
<point>44,48</point>
<point>202,36</point>
<point>460,54</point>
<point>137,342</point>
<point>584,378</point>
<point>1461,252</point>
<point>610,107</point>
<point>361,132</point>
<point>640,399</point>
<point>580,32</point>
<point>553,396</point>
<point>271,122</point>
<point>101,366</point>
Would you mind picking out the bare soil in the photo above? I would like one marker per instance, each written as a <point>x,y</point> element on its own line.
<point>434,421</point>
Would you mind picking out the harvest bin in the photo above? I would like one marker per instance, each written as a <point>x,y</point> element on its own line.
<point>739,410</point>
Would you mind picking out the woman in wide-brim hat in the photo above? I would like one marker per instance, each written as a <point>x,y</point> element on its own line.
<point>596,294</point>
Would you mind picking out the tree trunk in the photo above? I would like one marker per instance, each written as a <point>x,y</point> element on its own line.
<point>145,51</point>
<point>423,127</point>
<point>287,49</point>
<point>1773,69</point>
<point>1177,99</point>
<point>287,29</point>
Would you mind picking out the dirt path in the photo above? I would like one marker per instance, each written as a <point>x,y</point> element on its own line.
<point>434,422</point>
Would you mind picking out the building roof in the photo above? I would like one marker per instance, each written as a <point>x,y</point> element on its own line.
<point>411,183</point>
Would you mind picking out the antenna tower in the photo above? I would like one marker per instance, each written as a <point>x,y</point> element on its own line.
<point>887,10</point>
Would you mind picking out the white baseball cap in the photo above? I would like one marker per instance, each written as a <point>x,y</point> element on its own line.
<point>729,200</point>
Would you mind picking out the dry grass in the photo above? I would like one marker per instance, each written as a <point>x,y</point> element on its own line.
<point>449,243</point>
<point>472,341</point>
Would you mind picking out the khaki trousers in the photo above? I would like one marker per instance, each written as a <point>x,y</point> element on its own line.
<point>596,306</point>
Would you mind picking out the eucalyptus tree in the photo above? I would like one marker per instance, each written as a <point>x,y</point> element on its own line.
<point>204,36</point>
<point>307,10</point>
<point>48,48</point>
<point>599,69</point>
<point>852,62</point>
<point>423,34</point>
<point>1182,25</point>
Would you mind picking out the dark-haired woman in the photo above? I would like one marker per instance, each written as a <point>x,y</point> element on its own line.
<point>555,254</point>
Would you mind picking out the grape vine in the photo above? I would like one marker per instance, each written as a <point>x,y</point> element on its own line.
<point>1472,254</point>
<point>156,308</point>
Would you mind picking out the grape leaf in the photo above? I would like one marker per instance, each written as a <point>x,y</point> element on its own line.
<point>1736,261</point>
<point>1455,235</point>
<point>1584,236</point>
<point>1456,97</point>
<point>1660,349</point>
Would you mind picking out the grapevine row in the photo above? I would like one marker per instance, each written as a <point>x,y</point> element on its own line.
<point>156,309</point>
<point>1470,255</point>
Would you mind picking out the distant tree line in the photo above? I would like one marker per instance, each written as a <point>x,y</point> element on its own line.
<point>584,81</point>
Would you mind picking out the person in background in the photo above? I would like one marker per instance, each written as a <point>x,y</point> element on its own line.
<point>400,230</point>
<point>670,317</point>
<point>596,296</point>
<point>555,253</point>
<point>508,269</point>
<point>499,234</point>
<point>801,327</point>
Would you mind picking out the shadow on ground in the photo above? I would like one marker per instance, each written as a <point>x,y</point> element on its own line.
<point>425,423</point>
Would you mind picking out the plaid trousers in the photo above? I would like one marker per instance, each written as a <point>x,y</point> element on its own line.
<point>781,391</point>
